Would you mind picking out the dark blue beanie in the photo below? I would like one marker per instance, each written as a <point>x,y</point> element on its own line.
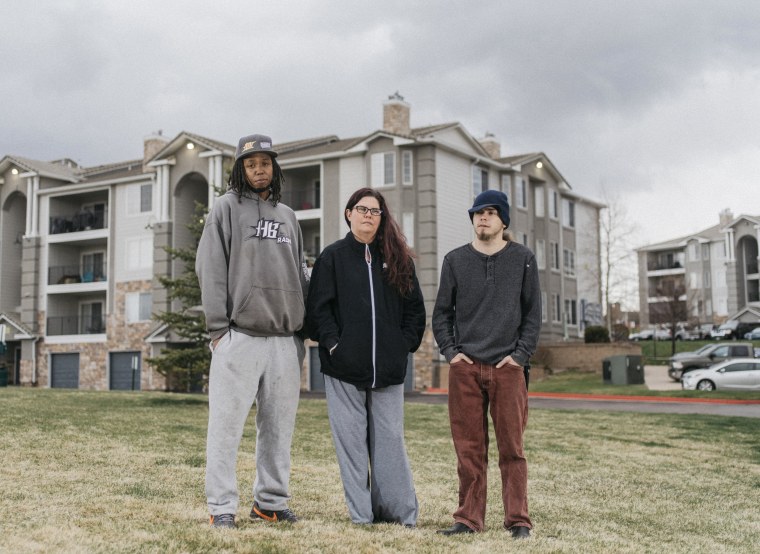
<point>492,199</point>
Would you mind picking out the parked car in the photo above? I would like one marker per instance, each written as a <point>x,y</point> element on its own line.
<point>735,374</point>
<point>754,334</point>
<point>705,329</point>
<point>733,329</point>
<point>710,354</point>
<point>686,333</point>
<point>649,334</point>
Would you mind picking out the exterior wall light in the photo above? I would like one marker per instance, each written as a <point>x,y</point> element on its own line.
<point>539,165</point>
<point>189,146</point>
<point>14,171</point>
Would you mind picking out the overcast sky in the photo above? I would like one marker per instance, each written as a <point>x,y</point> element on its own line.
<point>656,102</point>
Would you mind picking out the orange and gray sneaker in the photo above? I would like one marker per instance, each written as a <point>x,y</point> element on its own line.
<point>286,515</point>
<point>223,520</point>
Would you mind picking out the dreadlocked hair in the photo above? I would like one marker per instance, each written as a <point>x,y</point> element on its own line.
<point>397,255</point>
<point>238,183</point>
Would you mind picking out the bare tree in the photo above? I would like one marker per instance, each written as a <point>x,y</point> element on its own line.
<point>616,274</point>
<point>672,309</point>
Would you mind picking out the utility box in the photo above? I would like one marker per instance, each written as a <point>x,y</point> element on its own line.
<point>623,370</point>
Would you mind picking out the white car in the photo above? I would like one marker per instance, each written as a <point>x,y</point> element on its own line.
<point>734,374</point>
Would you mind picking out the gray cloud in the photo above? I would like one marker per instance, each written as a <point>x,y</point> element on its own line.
<point>644,97</point>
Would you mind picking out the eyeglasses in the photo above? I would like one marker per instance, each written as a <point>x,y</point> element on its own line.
<point>364,209</point>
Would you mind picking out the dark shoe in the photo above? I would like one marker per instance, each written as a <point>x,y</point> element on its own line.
<point>285,515</point>
<point>520,532</point>
<point>456,529</point>
<point>223,520</point>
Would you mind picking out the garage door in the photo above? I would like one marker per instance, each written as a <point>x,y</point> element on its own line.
<point>125,370</point>
<point>64,371</point>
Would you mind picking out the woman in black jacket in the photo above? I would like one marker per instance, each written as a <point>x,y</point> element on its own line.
<point>365,309</point>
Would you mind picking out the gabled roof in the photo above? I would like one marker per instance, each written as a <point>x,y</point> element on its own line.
<point>22,331</point>
<point>754,219</point>
<point>750,312</point>
<point>61,171</point>
<point>184,137</point>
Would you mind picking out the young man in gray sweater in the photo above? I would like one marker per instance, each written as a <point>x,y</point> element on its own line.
<point>486,322</point>
<point>253,288</point>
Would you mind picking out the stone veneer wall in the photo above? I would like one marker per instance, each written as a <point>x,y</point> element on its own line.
<point>581,356</point>
<point>93,357</point>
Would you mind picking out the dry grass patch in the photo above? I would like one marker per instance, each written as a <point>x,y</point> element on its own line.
<point>123,472</point>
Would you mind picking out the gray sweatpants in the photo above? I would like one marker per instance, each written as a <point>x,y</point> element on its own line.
<point>368,432</point>
<point>244,369</point>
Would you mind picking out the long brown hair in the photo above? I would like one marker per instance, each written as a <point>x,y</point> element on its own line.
<point>396,254</point>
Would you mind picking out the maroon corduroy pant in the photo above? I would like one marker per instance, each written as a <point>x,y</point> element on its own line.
<point>473,389</point>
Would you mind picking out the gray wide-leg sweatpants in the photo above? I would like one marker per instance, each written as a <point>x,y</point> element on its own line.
<point>368,432</point>
<point>244,369</point>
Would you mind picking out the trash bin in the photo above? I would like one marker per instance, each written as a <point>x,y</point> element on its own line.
<point>622,370</point>
<point>3,376</point>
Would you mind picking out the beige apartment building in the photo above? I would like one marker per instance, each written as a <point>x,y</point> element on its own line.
<point>709,276</point>
<point>81,247</point>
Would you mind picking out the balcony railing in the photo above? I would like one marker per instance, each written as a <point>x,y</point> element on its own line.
<point>75,325</point>
<point>654,266</point>
<point>300,199</point>
<point>67,274</point>
<point>82,221</point>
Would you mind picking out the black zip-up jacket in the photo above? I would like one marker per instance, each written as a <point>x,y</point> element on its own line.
<point>354,312</point>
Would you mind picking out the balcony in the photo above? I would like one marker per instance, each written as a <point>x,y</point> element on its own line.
<point>84,220</point>
<point>70,274</point>
<point>75,325</point>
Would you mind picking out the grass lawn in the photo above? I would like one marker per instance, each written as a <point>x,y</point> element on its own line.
<point>123,472</point>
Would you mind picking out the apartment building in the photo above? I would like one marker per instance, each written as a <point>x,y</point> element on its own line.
<point>82,247</point>
<point>707,277</point>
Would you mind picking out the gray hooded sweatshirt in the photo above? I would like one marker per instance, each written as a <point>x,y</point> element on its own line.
<point>251,268</point>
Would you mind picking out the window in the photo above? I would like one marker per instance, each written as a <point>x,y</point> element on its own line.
<point>556,309</point>
<point>383,169</point>
<point>524,239</point>
<point>137,306</point>
<point>568,207</point>
<point>91,318</point>
<point>543,306</point>
<point>554,247</point>
<point>553,204</point>
<point>541,253</point>
<point>571,313</point>
<point>140,199</point>
<point>707,279</point>
<point>139,253</point>
<point>506,186</point>
<point>708,307</point>
<point>521,199</point>
<point>93,267</point>
<point>538,201</point>
<point>407,227</point>
<point>693,281</point>
<point>569,265</point>
<point>705,251</point>
<point>407,167</point>
<point>479,180</point>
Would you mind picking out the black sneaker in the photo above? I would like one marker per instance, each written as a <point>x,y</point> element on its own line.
<point>285,515</point>
<point>223,520</point>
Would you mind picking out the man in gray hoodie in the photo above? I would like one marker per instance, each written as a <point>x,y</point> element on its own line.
<point>486,321</point>
<point>253,287</point>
